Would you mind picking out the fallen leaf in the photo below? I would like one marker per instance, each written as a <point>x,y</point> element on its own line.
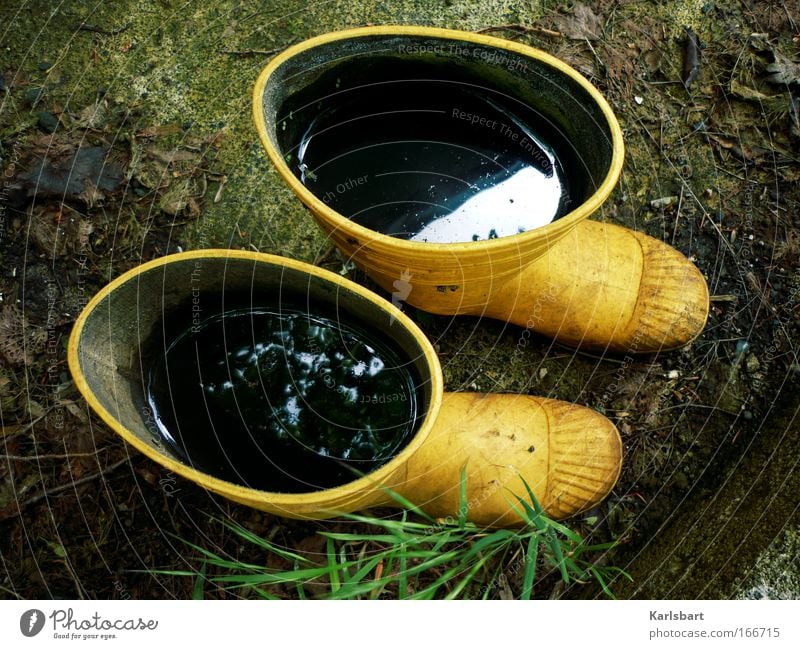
<point>218,195</point>
<point>61,170</point>
<point>582,24</point>
<point>60,231</point>
<point>57,549</point>
<point>692,56</point>
<point>11,429</point>
<point>784,71</point>
<point>35,409</point>
<point>652,60</point>
<point>504,588</point>
<point>578,56</point>
<point>19,339</point>
<point>180,197</point>
<point>155,131</point>
<point>151,173</point>
<point>93,116</point>
<point>725,144</point>
<point>13,78</point>
<point>171,157</point>
<point>749,94</point>
<point>147,475</point>
<point>75,411</point>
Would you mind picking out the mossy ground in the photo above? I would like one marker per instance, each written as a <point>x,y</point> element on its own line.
<point>725,149</point>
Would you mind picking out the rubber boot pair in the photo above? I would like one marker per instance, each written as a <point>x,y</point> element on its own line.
<point>585,283</point>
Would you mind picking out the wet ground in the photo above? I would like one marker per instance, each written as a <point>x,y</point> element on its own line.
<point>125,134</point>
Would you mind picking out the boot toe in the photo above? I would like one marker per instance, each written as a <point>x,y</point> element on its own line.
<point>672,307</point>
<point>585,459</point>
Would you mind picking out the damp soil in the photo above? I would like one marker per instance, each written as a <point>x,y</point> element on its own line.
<point>125,134</point>
<point>706,549</point>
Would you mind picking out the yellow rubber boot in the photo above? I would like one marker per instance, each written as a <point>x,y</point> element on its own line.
<point>599,287</point>
<point>569,455</point>
<point>606,287</point>
<point>585,283</point>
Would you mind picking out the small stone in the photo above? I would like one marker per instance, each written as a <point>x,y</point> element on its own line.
<point>673,374</point>
<point>44,66</point>
<point>33,96</point>
<point>639,100</point>
<point>662,202</point>
<point>47,122</point>
<point>35,409</point>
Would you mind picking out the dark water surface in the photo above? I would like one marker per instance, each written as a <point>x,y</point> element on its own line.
<point>434,161</point>
<point>280,400</point>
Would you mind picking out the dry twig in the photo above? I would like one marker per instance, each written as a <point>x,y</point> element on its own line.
<point>523,29</point>
<point>46,493</point>
<point>86,27</point>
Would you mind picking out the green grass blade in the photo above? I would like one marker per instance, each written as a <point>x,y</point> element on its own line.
<point>301,591</point>
<point>463,503</point>
<point>602,574</point>
<point>465,581</point>
<point>333,565</point>
<point>266,576</point>
<point>555,547</point>
<point>601,580</point>
<point>531,557</point>
<point>407,504</point>
<point>498,537</point>
<point>402,585</point>
<point>563,529</point>
<point>365,569</point>
<point>469,577</point>
<point>263,593</point>
<point>363,538</point>
<point>197,591</point>
<point>419,559</point>
<point>356,590</point>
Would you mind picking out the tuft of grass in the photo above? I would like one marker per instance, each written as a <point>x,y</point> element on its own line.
<point>401,558</point>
